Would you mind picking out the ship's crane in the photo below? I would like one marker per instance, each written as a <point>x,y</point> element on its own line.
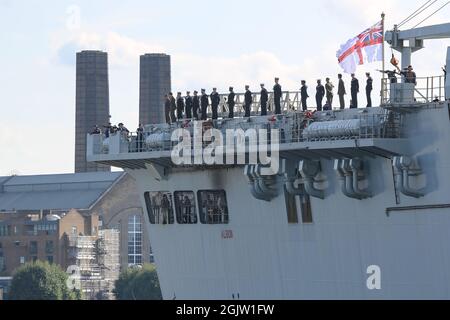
<point>409,41</point>
<point>399,39</point>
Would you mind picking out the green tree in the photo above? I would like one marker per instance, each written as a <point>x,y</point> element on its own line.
<point>41,281</point>
<point>138,284</point>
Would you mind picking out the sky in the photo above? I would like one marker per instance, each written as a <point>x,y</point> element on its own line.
<point>212,44</point>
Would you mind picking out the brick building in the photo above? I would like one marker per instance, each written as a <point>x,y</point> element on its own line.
<point>28,236</point>
<point>36,211</point>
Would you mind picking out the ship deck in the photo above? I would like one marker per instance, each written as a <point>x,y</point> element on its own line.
<point>338,149</point>
<point>378,133</point>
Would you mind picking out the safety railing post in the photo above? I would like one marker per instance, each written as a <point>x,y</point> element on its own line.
<point>432,88</point>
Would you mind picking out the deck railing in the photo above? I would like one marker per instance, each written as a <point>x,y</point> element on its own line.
<point>426,90</point>
<point>290,101</point>
<point>293,128</point>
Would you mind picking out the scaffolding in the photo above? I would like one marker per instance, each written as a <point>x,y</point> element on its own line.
<point>98,263</point>
<point>109,259</point>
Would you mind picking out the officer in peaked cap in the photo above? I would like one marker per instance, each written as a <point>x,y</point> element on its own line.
<point>278,94</point>
<point>369,88</point>
<point>173,107</point>
<point>204,102</point>
<point>264,100</point>
<point>215,101</point>
<point>196,105</point>
<point>320,93</point>
<point>248,101</point>
<point>354,90</point>
<point>304,95</point>
<point>180,106</point>
<point>167,109</point>
<point>231,103</point>
<point>188,105</point>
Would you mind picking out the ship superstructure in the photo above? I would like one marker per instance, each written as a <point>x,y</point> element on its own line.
<point>354,191</point>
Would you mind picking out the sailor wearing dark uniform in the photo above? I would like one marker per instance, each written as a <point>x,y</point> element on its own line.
<point>180,106</point>
<point>231,103</point>
<point>248,101</point>
<point>173,107</point>
<point>304,95</point>
<point>196,105</point>
<point>354,91</point>
<point>167,105</point>
<point>369,88</point>
<point>215,101</point>
<point>188,103</point>
<point>140,138</point>
<point>320,93</point>
<point>264,100</point>
<point>277,95</point>
<point>204,105</point>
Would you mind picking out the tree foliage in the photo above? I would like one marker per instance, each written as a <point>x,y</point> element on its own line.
<point>138,284</point>
<point>41,281</point>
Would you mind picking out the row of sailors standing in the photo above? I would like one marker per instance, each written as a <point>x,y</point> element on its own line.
<point>111,130</point>
<point>327,92</point>
<point>408,74</point>
<point>196,107</point>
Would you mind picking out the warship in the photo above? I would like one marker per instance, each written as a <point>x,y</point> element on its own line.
<point>336,204</point>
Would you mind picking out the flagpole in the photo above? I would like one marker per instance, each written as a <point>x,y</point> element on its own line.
<point>383,81</point>
<point>382,23</point>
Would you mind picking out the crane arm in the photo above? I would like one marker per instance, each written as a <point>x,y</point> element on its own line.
<point>416,37</point>
<point>440,31</point>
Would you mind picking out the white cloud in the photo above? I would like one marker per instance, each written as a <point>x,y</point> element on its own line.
<point>365,10</point>
<point>122,51</point>
<point>194,71</point>
<point>24,150</point>
<point>191,70</point>
<point>251,69</point>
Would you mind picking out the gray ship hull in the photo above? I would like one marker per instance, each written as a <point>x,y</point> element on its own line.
<point>263,256</point>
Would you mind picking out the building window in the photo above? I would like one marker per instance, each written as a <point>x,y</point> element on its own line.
<point>185,207</point>
<point>47,228</point>
<point>22,260</point>
<point>159,207</point>
<point>151,256</point>
<point>5,231</point>
<point>213,207</point>
<point>50,259</point>
<point>33,247</point>
<point>2,262</point>
<point>49,247</point>
<point>134,240</point>
<point>74,231</point>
